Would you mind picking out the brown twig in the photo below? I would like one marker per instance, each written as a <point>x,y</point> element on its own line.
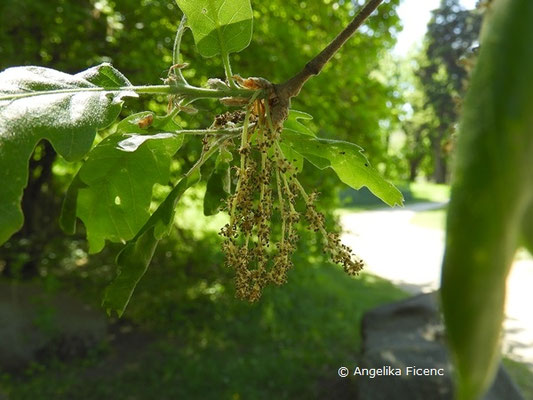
<point>291,88</point>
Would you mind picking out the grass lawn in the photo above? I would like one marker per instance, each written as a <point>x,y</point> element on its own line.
<point>522,376</point>
<point>287,346</point>
<point>433,219</point>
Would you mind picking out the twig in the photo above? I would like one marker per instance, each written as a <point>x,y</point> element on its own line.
<point>203,132</point>
<point>293,86</point>
<point>178,89</point>
<point>282,93</point>
<point>176,54</point>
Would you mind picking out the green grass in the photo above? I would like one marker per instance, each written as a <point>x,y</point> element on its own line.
<point>433,219</point>
<point>427,191</point>
<point>522,376</point>
<point>287,346</point>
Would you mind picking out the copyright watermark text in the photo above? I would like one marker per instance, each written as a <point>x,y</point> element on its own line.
<point>388,370</point>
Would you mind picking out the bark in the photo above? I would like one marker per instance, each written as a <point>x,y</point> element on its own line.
<point>440,162</point>
<point>27,245</point>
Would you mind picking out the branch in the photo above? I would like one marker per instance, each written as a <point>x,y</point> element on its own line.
<point>194,92</point>
<point>292,87</point>
<point>203,132</point>
<point>175,88</point>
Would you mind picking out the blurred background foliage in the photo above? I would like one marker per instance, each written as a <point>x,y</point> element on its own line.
<point>402,111</point>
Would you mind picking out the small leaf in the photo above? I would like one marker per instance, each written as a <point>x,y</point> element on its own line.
<point>207,169</point>
<point>134,259</point>
<point>293,122</point>
<point>104,76</point>
<point>130,124</point>
<point>347,160</point>
<point>40,103</point>
<point>218,185</point>
<point>67,219</point>
<point>225,156</point>
<point>226,180</point>
<point>119,175</point>
<point>219,26</point>
<point>159,124</point>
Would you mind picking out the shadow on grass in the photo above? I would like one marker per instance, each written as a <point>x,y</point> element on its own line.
<point>287,346</point>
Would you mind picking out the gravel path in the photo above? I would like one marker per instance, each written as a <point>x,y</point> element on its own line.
<point>410,256</point>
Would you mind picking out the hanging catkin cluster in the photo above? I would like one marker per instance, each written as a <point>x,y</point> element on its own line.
<point>267,191</point>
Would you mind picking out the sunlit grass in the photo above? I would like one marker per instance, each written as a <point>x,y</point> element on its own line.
<point>433,219</point>
<point>428,191</point>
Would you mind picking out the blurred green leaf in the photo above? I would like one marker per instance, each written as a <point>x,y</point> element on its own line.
<point>491,193</point>
<point>347,160</point>
<point>219,26</point>
<point>527,229</point>
<point>40,103</point>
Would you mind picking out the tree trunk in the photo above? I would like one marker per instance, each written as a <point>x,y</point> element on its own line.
<point>440,171</point>
<point>414,163</point>
<point>26,246</point>
<point>440,174</point>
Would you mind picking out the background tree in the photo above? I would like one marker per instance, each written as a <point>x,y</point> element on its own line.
<point>418,120</point>
<point>452,31</point>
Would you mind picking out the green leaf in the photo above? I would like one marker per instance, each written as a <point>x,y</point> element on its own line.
<point>224,156</point>
<point>347,160</point>
<point>132,263</point>
<point>219,26</point>
<point>119,175</point>
<point>224,160</point>
<point>39,103</point>
<point>131,124</point>
<point>134,259</point>
<point>293,122</point>
<point>492,191</point>
<point>218,186</point>
<point>159,124</point>
<point>67,219</point>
